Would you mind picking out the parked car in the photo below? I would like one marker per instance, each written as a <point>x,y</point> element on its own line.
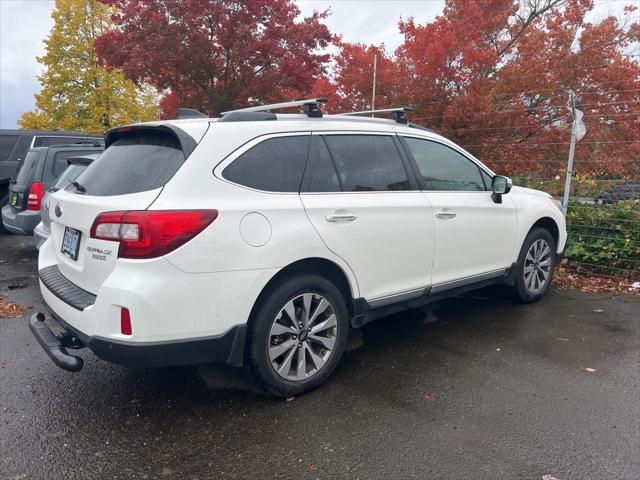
<point>36,173</point>
<point>617,193</point>
<point>75,166</point>
<point>14,145</point>
<point>261,239</point>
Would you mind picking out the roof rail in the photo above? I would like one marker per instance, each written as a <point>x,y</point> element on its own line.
<point>398,113</point>
<point>311,107</point>
<point>189,113</point>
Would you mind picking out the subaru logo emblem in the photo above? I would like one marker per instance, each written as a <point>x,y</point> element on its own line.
<point>58,211</point>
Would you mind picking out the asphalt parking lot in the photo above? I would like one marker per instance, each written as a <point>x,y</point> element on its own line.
<point>472,388</point>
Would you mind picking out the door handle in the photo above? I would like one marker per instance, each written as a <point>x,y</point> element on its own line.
<point>341,217</point>
<point>446,214</point>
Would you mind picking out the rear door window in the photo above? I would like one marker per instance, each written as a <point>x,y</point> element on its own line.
<point>60,160</point>
<point>136,162</point>
<point>320,174</point>
<point>273,165</point>
<point>368,163</point>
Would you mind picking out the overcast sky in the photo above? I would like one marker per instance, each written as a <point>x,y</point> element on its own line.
<point>25,23</point>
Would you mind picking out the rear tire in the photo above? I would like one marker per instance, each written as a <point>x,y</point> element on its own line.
<point>290,356</point>
<point>534,270</point>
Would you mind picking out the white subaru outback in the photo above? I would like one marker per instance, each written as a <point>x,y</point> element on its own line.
<point>260,239</point>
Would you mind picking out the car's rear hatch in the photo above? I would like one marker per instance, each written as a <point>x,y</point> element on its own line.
<point>76,165</point>
<point>128,176</point>
<point>28,170</point>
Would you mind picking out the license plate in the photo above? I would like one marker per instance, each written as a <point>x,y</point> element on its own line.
<point>71,242</point>
<point>14,199</point>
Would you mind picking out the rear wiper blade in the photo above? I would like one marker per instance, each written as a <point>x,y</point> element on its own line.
<point>78,187</point>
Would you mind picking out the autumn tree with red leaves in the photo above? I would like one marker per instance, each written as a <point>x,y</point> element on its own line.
<point>214,55</point>
<point>495,76</point>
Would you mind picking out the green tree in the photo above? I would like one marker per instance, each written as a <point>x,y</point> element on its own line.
<point>78,93</point>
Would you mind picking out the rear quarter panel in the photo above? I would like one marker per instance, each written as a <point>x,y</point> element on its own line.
<point>223,246</point>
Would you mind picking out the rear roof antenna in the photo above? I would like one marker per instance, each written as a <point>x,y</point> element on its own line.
<point>189,113</point>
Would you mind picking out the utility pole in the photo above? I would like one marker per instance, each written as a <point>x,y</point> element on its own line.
<point>373,96</point>
<point>572,151</point>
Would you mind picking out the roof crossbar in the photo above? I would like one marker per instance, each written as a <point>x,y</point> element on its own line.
<point>310,105</point>
<point>398,113</point>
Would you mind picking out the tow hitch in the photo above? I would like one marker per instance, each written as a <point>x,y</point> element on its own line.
<point>56,347</point>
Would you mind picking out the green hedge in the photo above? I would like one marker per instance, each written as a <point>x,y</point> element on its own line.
<point>605,238</point>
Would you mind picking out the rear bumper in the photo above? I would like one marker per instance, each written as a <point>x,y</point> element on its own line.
<point>21,223</point>
<point>226,348</point>
<point>40,234</point>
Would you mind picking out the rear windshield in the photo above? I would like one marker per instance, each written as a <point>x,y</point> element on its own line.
<point>69,175</point>
<point>27,168</point>
<point>135,163</point>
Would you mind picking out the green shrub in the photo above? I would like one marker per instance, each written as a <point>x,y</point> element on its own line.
<point>605,238</point>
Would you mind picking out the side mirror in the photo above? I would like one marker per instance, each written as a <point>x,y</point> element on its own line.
<point>500,186</point>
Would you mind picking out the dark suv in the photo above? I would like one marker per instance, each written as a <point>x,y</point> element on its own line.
<point>14,145</point>
<point>36,173</point>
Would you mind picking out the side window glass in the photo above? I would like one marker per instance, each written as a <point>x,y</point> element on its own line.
<point>320,174</point>
<point>444,169</point>
<point>274,165</point>
<point>368,163</point>
<point>60,161</point>
<point>6,145</point>
<point>488,180</point>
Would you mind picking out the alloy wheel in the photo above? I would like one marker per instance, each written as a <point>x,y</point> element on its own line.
<point>302,337</point>
<point>537,266</point>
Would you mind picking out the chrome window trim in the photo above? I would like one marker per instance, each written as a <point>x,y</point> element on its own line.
<point>459,282</point>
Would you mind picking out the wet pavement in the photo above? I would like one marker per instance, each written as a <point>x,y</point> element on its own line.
<point>470,388</point>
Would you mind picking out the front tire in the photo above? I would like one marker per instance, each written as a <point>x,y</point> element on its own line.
<point>534,270</point>
<point>297,335</point>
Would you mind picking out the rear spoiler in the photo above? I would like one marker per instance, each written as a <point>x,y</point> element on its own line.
<point>187,142</point>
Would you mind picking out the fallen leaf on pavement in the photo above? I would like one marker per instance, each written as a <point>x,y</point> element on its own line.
<point>592,282</point>
<point>11,310</point>
<point>312,467</point>
<point>430,396</point>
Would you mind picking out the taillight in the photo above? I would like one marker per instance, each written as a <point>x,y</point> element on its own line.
<point>125,322</point>
<point>34,199</point>
<point>150,233</point>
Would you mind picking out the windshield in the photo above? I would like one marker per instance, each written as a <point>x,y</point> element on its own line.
<point>68,175</point>
<point>27,169</point>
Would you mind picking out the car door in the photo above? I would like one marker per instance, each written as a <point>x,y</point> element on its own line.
<point>366,207</point>
<point>474,236</point>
